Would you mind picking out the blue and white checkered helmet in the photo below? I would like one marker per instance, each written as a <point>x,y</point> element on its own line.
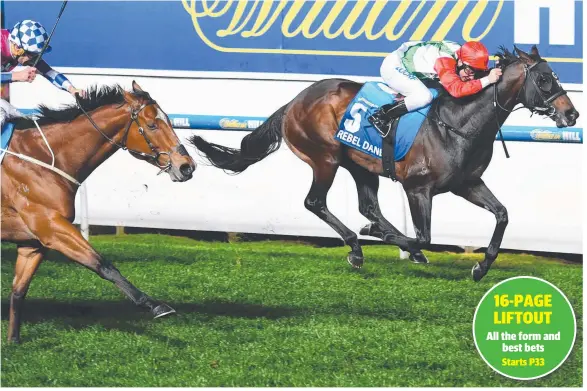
<point>30,36</point>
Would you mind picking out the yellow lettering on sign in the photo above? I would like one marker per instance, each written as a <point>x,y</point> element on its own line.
<point>233,27</point>
<point>258,29</point>
<point>430,17</point>
<point>473,18</point>
<point>450,20</point>
<point>348,23</point>
<point>251,19</point>
<point>306,23</point>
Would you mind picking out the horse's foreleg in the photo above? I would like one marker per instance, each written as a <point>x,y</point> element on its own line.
<point>478,194</point>
<point>367,187</point>
<point>420,201</point>
<point>316,203</point>
<point>27,263</point>
<point>57,233</point>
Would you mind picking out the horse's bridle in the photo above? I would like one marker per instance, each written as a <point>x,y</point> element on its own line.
<point>547,107</point>
<point>555,90</point>
<point>134,117</point>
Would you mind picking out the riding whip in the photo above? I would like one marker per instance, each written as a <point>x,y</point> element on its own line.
<point>50,35</point>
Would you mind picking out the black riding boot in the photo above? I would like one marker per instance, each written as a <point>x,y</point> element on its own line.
<point>383,118</point>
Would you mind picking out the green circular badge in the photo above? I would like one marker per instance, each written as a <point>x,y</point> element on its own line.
<point>524,328</point>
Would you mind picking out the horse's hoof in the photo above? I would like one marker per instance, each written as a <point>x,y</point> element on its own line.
<point>13,340</point>
<point>478,272</point>
<point>418,257</point>
<point>162,310</point>
<point>366,230</point>
<point>356,261</point>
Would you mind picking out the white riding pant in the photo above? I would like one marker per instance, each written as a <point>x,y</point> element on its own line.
<point>7,111</point>
<point>401,80</point>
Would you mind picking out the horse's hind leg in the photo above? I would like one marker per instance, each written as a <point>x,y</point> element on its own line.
<point>367,187</point>
<point>27,263</point>
<point>479,194</point>
<point>57,233</point>
<point>315,202</point>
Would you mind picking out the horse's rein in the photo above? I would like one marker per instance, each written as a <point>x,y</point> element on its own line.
<point>495,106</point>
<point>550,110</point>
<point>134,115</point>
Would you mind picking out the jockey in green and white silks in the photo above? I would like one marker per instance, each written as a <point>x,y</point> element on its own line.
<point>456,67</point>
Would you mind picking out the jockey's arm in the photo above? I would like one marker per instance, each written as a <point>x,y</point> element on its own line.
<point>445,67</point>
<point>56,78</point>
<point>27,74</point>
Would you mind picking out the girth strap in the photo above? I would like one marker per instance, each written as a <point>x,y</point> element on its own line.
<point>388,151</point>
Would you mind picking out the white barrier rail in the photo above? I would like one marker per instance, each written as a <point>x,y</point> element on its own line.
<point>540,185</point>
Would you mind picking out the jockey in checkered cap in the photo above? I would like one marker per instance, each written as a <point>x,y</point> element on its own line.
<point>21,46</point>
<point>462,71</point>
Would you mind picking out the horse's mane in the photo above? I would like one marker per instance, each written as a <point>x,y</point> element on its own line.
<point>96,97</point>
<point>507,58</point>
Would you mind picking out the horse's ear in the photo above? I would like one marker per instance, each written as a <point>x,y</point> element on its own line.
<point>136,87</point>
<point>534,51</point>
<point>523,55</point>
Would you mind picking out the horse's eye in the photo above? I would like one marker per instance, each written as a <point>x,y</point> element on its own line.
<point>545,82</point>
<point>152,125</point>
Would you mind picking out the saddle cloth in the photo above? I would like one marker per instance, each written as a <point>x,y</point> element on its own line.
<point>356,132</point>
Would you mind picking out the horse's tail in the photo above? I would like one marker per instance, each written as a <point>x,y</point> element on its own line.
<point>255,146</point>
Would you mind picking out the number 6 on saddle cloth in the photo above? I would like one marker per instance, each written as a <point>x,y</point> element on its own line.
<point>356,132</point>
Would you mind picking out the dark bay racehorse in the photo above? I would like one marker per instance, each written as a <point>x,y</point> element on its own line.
<point>443,158</point>
<point>38,204</point>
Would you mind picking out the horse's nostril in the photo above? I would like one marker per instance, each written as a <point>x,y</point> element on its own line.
<point>572,114</point>
<point>186,169</point>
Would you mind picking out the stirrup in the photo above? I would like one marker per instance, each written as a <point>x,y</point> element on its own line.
<point>378,123</point>
<point>388,125</point>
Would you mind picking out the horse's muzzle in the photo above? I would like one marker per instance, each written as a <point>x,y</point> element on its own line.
<point>571,116</point>
<point>182,165</point>
<point>186,170</point>
<point>567,118</point>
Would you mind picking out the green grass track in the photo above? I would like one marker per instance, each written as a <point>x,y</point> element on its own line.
<point>265,314</point>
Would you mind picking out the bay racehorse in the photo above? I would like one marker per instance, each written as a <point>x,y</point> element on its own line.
<point>38,202</point>
<point>453,148</point>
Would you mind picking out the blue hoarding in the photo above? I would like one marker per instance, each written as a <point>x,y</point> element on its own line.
<point>316,37</point>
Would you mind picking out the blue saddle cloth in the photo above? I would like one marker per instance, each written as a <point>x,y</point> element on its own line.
<point>356,132</point>
<point>6,135</point>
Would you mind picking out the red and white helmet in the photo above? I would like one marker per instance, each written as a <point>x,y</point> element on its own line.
<point>475,55</point>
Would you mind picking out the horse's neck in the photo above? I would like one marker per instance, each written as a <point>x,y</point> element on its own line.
<point>480,117</point>
<point>79,148</point>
